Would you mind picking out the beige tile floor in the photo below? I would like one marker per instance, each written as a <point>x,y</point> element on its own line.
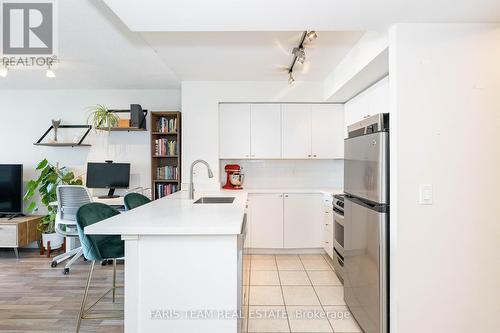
<point>296,293</point>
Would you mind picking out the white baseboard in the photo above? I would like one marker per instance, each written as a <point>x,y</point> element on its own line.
<point>286,251</point>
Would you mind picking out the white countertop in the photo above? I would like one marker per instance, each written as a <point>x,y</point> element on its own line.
<point>177,215</point>
<point>327,191</point>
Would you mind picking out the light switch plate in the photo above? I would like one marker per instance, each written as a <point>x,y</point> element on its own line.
<point>426,194</point>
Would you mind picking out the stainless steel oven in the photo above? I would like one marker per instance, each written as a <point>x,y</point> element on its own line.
<point>338,239</point>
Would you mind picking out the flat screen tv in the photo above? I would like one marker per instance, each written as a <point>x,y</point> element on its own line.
<point>11,189</point>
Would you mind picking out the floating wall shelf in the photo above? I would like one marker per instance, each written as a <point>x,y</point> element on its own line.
<point>65,144</point>
<point>140,128</point>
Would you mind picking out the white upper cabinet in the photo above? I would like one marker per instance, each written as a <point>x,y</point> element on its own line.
<point>327,122</point>
<point>287,131</point>
<point>370,102</point>
<point>234,130</point>
<point>296,125</point>
<point>265,129</point>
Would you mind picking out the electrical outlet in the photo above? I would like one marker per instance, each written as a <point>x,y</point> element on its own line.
<point>426,194</point>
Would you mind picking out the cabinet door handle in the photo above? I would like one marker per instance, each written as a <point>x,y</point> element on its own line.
<point>315,155</point>
<point>286,195</point>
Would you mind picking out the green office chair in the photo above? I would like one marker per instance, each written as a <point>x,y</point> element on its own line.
<point>97,248</point>
<point>133,200</point>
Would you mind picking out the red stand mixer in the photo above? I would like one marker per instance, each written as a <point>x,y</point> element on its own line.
<point>234,177</point>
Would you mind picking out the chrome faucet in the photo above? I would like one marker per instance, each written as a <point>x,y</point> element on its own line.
<point>191,185</point>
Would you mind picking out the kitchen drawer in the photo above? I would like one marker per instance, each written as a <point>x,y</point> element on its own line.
<point>328,243</point>
<point>8,235</point>
<point>328,220</point>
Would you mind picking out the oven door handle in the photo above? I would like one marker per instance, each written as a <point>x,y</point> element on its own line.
<point>339,218</point>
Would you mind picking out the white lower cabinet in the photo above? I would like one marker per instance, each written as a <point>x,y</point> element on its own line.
<point>303,220</point>
<point>289,220</point>
<point>265,214</point>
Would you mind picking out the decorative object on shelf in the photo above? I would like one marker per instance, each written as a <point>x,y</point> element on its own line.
<point>299,53</point>
<point>165,153</point>
<point>137,116</point>
<point>124,123</point>
<point>78,143</point>
<point>136,122</point>
<point>55,125</point>
<point>50,177</point>
<point>101,118</point>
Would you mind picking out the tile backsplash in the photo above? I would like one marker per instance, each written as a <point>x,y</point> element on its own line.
<point>289,173</point>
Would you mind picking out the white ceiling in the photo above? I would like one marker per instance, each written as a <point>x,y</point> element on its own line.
<point>293,15</point>
<point>98,51</point>
<point>249,56</point>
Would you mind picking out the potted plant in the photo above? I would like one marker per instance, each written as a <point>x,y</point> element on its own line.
<point>46,184</point>
<point>101,118</point>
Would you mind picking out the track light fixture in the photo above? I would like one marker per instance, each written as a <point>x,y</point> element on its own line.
<point>49,72</point>
<point>311,35</point>
<point>299,53</point>
<point>4,71</point>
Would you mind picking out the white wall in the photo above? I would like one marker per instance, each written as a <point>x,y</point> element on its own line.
<point>26,115</point>
<point>200,115</point>
<point>364,64</point>
<point>445,121</point>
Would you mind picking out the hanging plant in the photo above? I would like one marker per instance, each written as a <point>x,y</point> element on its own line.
<point>101,118</point>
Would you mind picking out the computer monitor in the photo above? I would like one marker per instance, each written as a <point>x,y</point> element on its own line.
<point>108,175</point>
<point>11,189</point>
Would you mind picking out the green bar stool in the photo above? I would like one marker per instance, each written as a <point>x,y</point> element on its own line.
<point>133,200</point>
<point>97,248</point>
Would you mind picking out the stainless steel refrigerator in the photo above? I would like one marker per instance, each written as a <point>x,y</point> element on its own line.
<point>366,222</point>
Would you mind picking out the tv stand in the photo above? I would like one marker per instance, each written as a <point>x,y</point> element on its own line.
<point>111,195</point>
<point>11,216</point>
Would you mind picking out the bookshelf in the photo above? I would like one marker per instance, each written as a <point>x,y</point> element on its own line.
<point>165,153</point>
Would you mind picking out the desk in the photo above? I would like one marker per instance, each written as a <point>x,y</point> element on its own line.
<point>114,202</point>
<point>111,201</point>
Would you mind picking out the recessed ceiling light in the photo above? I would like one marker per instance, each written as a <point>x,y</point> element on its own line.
<point>291,80</point>
<point>4,71</point>
<point>311,35</point>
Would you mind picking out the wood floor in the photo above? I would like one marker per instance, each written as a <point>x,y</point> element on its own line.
<point>35,297</point>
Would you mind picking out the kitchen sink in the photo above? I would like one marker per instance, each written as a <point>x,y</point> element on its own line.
<point>214,200</point>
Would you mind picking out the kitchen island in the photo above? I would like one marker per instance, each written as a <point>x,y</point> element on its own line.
<point>183,263</point>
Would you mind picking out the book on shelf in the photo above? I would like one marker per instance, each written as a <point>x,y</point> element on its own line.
<point>163,190</point>
<point>166,125</point>
<point>166,173</point>
<point>165,147</point>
